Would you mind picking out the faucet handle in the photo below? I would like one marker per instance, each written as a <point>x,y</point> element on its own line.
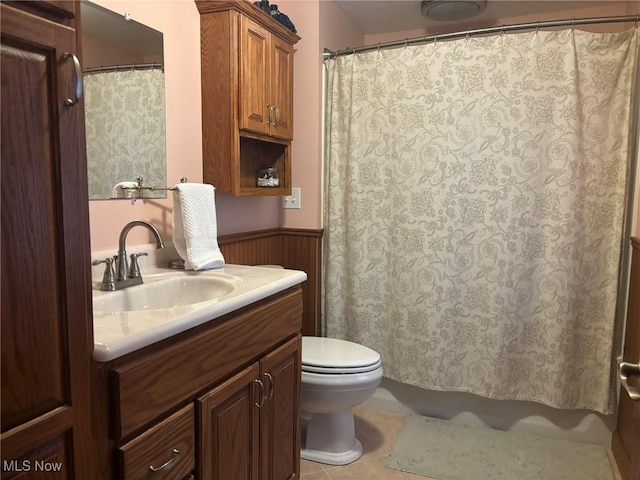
<point>134,269</point>
<point>109,277</point>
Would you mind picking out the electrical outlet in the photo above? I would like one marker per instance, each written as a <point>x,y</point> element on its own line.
<point>293,200</point>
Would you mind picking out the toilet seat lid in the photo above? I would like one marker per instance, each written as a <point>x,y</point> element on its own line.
<point>332,355</point>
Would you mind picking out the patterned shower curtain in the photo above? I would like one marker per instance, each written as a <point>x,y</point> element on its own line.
<point>474,203</point>
<point>125,129</point>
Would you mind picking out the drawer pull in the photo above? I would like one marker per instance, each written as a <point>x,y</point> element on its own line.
<point>277,111</point>
<point>168,463</point>
<point>268,375</point>
<point>262,395</point>
<point>77,79</point>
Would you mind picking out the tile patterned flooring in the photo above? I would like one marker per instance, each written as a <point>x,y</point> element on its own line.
<point>377,431</point>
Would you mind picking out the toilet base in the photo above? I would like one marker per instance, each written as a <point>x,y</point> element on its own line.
<point>330,438</point>
<point>330,458</point>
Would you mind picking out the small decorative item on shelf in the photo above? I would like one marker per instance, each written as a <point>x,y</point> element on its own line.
<point>268,178</point>
<point>282,18</point>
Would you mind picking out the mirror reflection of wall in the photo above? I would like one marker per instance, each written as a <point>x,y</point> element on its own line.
<point>123,69</point>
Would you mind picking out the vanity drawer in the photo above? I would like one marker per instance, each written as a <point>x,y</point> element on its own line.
<point>147,388</point>
<point>168,447</point>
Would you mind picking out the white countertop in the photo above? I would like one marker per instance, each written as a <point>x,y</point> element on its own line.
<point>119,333</point>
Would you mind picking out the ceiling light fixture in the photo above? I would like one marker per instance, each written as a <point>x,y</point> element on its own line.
<point>451,10</point>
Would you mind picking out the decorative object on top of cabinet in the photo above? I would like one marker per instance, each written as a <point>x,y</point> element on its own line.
<point>282,18</point>
<point>247,123</point>
<point>276,14</point>
<point>46,330</point>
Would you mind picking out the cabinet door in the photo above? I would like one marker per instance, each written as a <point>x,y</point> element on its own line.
<point>254,62</point>
<point>229,428</point>
<point>282,89</point>
<point>280,414</point>
<point>625,444</point>
<point>45,321</point>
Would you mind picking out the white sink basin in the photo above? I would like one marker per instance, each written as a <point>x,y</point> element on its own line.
<point>171,302</point>
<point>164,293</point>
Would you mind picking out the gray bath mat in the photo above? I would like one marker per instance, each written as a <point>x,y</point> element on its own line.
<point>446,451</point>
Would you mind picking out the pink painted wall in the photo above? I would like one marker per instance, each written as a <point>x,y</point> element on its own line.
<point>307,101</point>
<point>320,24</point>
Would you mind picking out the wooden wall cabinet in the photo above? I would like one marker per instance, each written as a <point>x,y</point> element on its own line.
<point>46,311</point>
<point>219,401</point>
<point>247,97</point>
<point>266,81</point>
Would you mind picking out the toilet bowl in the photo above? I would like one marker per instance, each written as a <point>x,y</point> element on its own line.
<point>337,375</point>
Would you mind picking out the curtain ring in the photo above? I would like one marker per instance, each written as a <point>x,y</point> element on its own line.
<point>502,30</point>
<point>467,36</point>
<point>573,23</point>
<point>406,42</point>
<point>537,26</point>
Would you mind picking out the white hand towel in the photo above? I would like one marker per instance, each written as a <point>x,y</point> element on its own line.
<point>195,231</point>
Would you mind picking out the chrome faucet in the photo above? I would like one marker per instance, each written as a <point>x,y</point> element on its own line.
<point>123,275</point>
<point>122,269</point>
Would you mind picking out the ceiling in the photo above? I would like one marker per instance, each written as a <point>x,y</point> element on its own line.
<point>378,16</point>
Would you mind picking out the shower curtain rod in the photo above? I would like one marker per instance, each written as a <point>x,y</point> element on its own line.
<point>327,54</point>
<point>115,68</point>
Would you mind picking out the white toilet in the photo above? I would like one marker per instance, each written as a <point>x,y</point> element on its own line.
<point>337,375</point>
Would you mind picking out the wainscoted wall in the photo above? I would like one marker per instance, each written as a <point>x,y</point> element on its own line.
<point>297,249</point>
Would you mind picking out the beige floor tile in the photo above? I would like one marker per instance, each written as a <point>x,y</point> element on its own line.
<point>307,467</point>
<point>315,476</point>
<point>373,469</point>
<point>377,431</point>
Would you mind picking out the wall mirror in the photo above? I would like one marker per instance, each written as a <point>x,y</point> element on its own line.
<point>123,73</point>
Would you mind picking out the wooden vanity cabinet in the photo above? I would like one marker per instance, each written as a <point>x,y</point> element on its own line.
<point>247,97</point>
<point>46,327</point>
<point>249,425</point>
<point>220,401</point>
